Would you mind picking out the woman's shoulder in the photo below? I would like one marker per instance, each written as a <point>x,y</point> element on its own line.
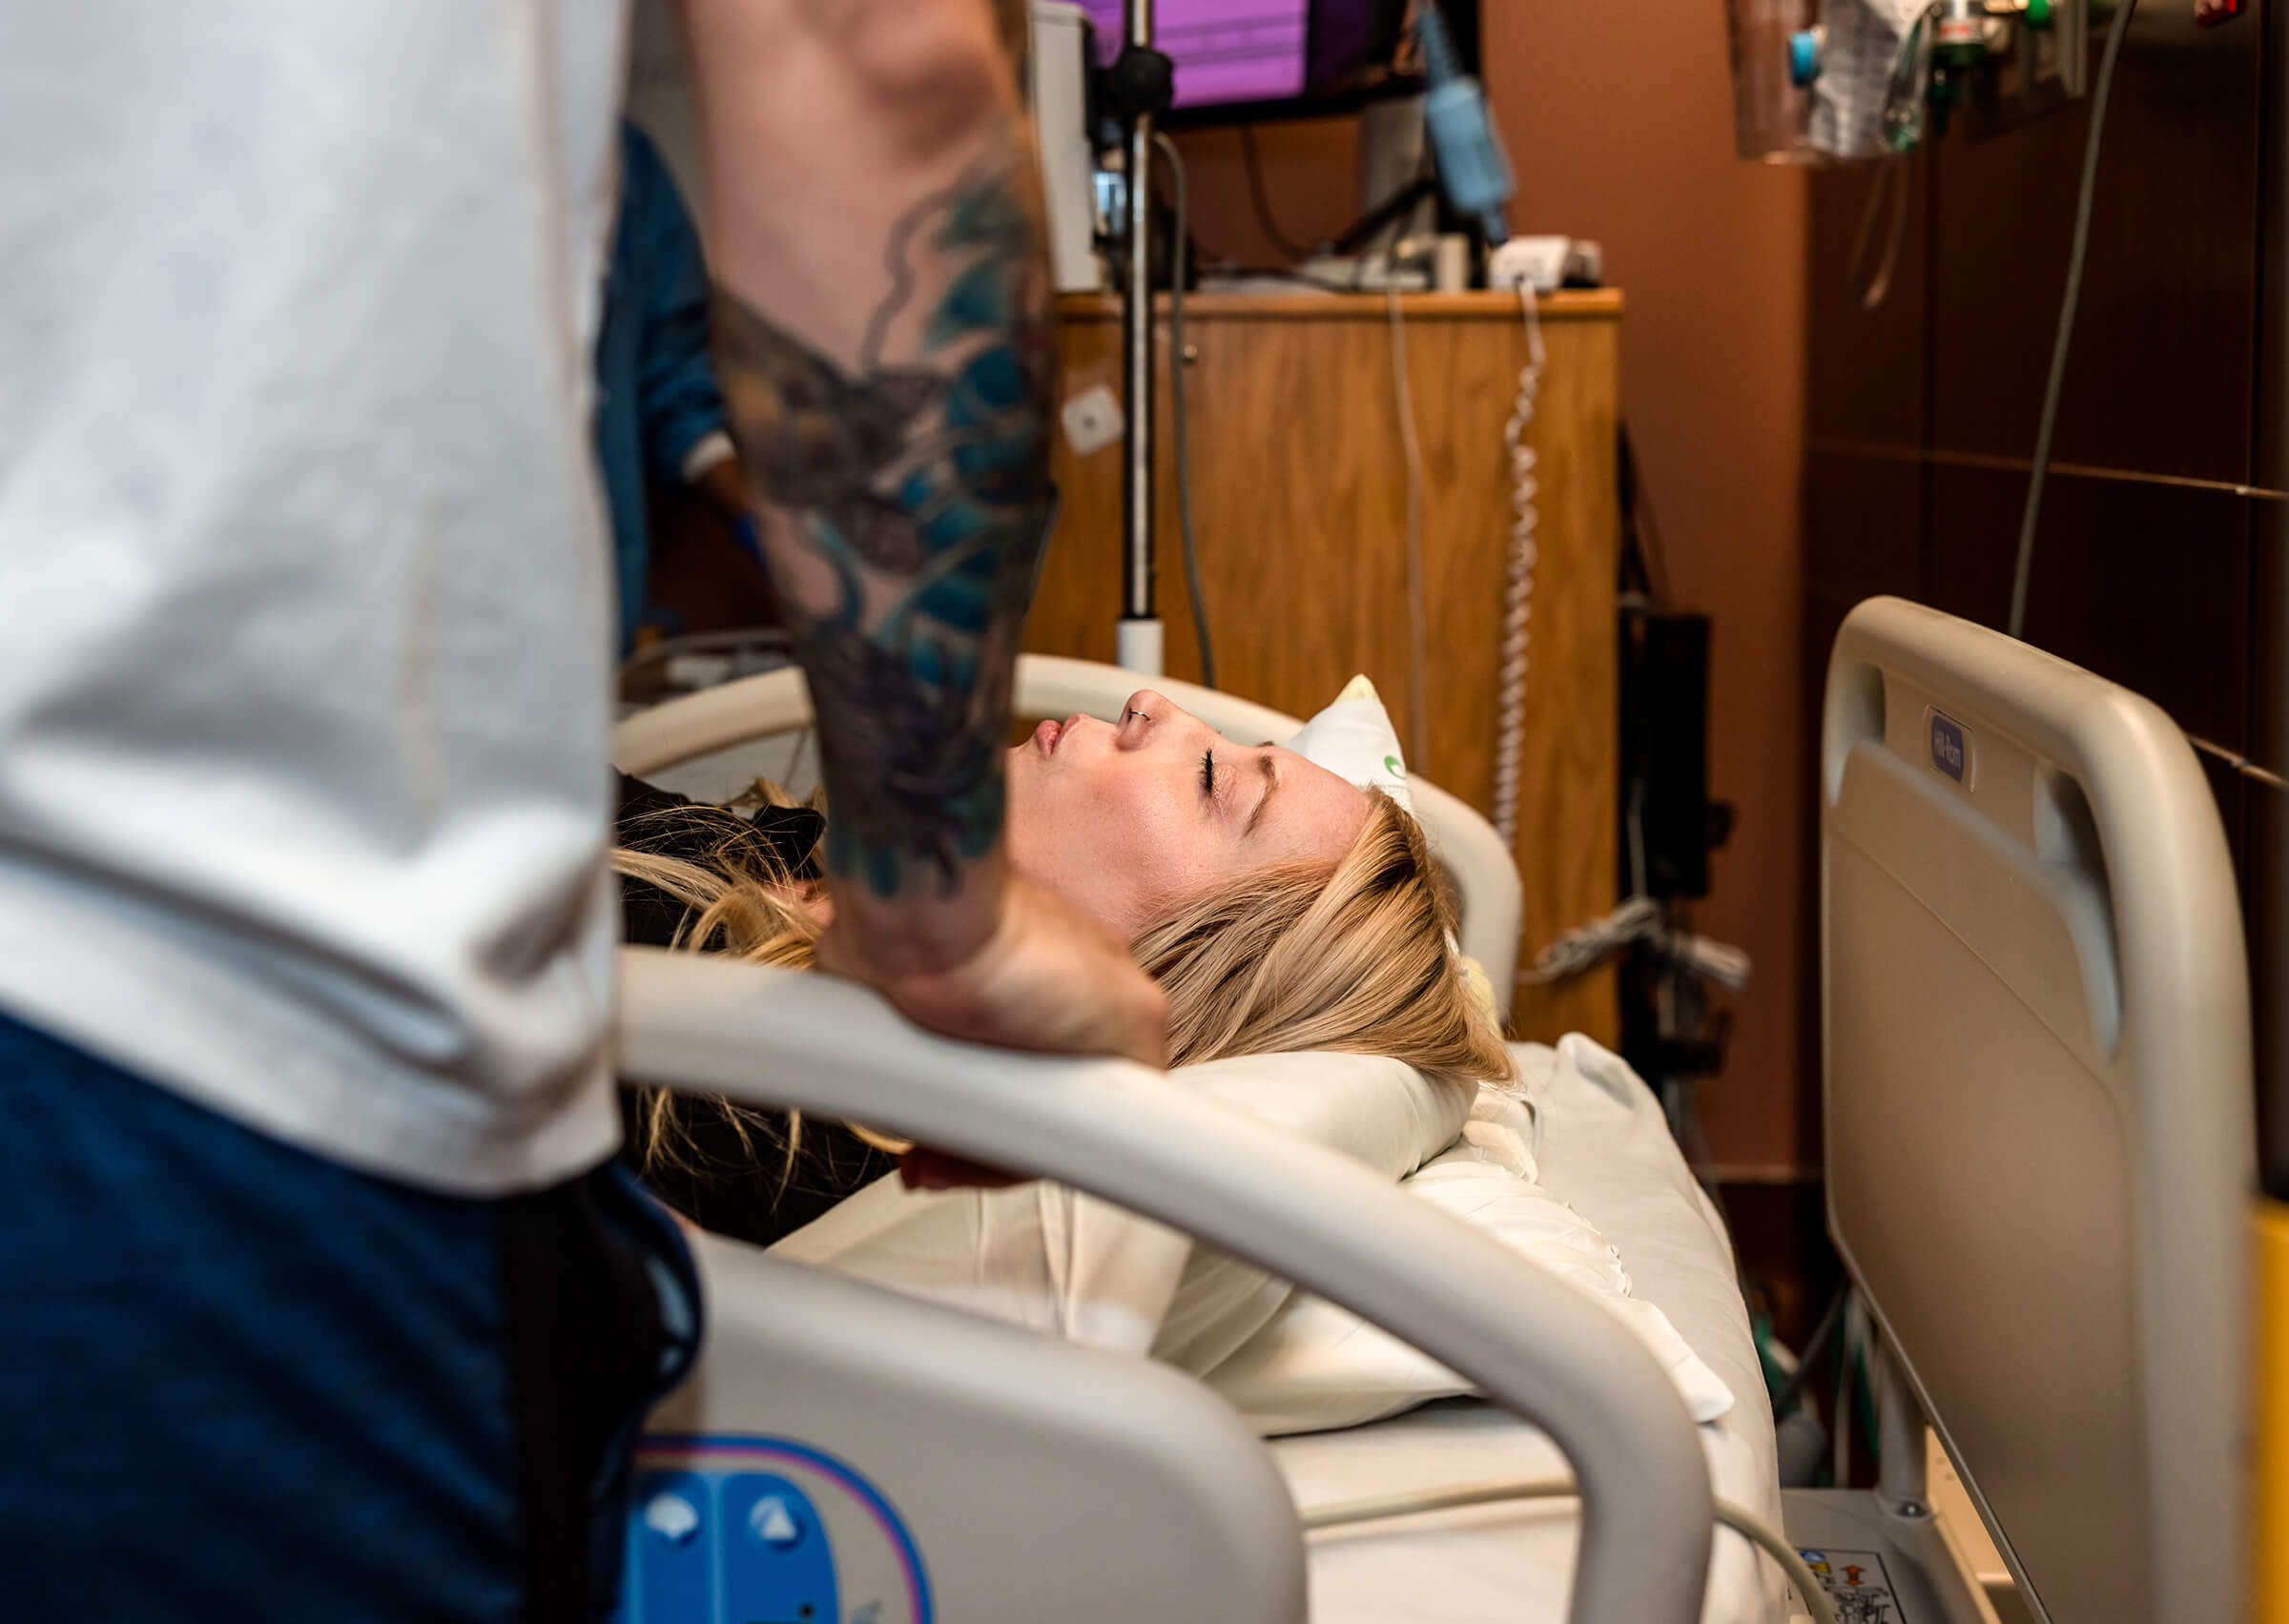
<point>775,842</point>
<point>794,834</point>
<point>665,824</point>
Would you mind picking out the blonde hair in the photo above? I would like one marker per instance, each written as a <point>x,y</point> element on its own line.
<point>1359,958</point>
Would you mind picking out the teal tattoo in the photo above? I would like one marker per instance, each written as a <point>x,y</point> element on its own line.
<point>922,487</point>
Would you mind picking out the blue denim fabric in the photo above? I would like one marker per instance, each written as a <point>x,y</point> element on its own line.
<point>241,1382</point>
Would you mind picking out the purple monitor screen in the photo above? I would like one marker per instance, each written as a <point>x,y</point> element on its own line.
<point>1224,51</point>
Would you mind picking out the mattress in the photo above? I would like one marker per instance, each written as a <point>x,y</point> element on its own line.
<point>1604,1148</point>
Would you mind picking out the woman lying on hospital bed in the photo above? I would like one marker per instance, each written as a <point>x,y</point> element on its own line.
<point>1303,937</point>
<point>1280,908</point>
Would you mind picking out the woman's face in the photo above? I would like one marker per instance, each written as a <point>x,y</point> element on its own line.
<point>1127,820</point>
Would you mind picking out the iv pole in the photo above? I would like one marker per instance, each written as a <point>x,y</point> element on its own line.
<point>1140,85</point>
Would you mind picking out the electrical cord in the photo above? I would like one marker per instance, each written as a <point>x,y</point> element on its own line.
<point>1903,116</point>
<point>1641,529</point>
<point>2100,95</point>
<point>1639,918</point>
<point>1739,1519</point>
<point>1261,202</point>
<point>1582,948</point>
<point>1850,1369</point>
<point>1816,1346</point>
<point>1903,109</point>
<point>1418,631</point>
<point>1585,947</point>
<point>1517,591</point>
<point>1176,405</point>
<point>1891,182</point>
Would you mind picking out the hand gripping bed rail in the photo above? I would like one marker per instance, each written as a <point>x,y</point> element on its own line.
<point>778,702</point>
<point>1129,1134</point>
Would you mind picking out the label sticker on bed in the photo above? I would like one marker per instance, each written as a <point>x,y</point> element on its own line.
<point>730,1530</point>
<point>1858,1587</point>
<point>1950,747</point>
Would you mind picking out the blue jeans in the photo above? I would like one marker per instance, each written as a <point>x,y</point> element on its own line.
<point>241,1382</point>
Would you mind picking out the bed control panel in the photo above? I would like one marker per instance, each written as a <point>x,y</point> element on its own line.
<point>763,1531</point>
<point>1859,1586</point>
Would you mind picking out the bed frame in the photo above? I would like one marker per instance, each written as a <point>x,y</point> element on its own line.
<point>2039,1108</point>
<point>1003,1475</point>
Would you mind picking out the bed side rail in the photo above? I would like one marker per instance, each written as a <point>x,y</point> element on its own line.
<point>1126,1132</point>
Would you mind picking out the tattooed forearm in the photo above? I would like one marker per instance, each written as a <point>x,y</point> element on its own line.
<point>905,500</point>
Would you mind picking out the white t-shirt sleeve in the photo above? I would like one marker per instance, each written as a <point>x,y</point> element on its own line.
<point>303,721</point>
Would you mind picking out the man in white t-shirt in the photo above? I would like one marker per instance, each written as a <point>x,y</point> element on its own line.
<point>319,1296</point>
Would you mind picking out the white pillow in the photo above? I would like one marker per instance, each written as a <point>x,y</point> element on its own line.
<point>1051,1259</point>
<point>1354,739</point>
<point>1314,1367</point>
<point>1045,1258</point>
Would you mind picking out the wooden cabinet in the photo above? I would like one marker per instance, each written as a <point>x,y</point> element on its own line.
<point>1300,494</point>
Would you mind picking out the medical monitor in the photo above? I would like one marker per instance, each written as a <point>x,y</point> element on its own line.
<point>1248,59</point>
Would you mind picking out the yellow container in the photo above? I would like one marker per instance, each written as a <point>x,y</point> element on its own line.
<point>2269,1584</point>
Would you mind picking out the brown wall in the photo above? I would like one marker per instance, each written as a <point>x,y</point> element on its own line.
<point>2158,560</point>
<point>1623,134</point>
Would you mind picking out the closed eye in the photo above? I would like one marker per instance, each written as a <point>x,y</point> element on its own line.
<point>1207,774</point>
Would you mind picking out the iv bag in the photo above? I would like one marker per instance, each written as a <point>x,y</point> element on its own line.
<point>1820,81</point>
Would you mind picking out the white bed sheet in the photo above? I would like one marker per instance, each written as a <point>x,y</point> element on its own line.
<point>1604,1148</point>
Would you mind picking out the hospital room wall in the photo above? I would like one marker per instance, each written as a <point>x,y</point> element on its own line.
<point>2158,560</point>
<point>1626,137</point>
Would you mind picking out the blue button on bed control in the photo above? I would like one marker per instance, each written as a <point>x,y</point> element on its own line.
<point>781,1565</point>
<point>774,1525</point>
<point>672,1517</point>
<point>669,1553</point>
<point>744,1529</point>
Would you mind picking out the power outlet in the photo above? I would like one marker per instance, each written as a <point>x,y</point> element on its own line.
<point>2031,72</point>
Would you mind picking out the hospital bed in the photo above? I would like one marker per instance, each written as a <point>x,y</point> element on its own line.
<point>958,1469</point>
<point>2040,1127</point>
<point>2039,1145</point>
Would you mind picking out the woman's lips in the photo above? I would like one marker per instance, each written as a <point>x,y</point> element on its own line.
<point>1049,734</point>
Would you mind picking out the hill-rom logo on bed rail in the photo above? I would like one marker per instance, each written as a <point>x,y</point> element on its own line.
<point>1950,747</point>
